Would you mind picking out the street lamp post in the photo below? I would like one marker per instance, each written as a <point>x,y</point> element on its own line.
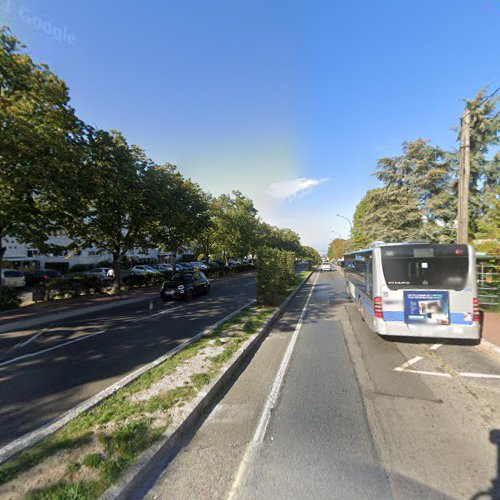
<point>340,236</point>
<point>348,220</point>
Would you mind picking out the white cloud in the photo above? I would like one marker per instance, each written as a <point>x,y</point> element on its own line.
<point>289,190</point>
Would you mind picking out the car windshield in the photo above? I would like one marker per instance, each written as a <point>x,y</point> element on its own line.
<point>182,277</point>
<point>13,274</point>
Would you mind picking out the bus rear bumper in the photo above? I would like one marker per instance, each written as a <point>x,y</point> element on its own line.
<point>400,329</point>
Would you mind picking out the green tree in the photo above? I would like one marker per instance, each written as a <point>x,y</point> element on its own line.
<point>42,148</point>
<point>488,233</point>
<point>424,174</point>
<point>236,226</point>
<point>120,210</point>
<point>181,215</point>
<point>484,169</point>
<point>388,214</point>
<point>336,248</point>
<point>311,254</point>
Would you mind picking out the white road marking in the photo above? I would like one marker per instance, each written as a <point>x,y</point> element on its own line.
<point>33,337</point>
<point>79,339</point>
<point>436,346</point>
<point>272,397</point>
<point>53,348</point>
<point>404,366</point>
<point>424,372</point>
<point>478,375</point>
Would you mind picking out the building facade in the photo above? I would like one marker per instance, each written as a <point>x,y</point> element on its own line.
<point>23,256</point>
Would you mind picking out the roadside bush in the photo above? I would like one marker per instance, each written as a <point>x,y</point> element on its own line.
<point>136,281</point>
<point>91,284</point>
<point>10,298</point>
<point>62,288</point>
<point>274,275</point>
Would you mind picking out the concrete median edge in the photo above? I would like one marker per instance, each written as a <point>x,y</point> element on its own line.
<point>17,446</point>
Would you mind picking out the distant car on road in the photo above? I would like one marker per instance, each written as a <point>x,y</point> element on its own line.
<point>12,278</point>
<point>143,269</point>
<point>185,286</point>
<point>325,266</point>
<point>42,276</point>
<point>101,272</point>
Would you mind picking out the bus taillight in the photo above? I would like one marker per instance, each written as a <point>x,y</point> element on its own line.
<point>475,305</point>
<point>377,307</point>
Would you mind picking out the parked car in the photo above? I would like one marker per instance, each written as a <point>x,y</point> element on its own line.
<point>164,267</point>
<point>42,276</point>
<point>143,269</point>
<point>199,266</point>
<point>232,263</point>
<point>12,278</point>
<point>101,272</point>
<point>186,266</point>
<point>185,286</point>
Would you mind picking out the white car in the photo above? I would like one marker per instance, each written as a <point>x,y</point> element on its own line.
<point>325,266</point>
<point>13,278</point>
<point>102,272</point>
<point>143,269</point>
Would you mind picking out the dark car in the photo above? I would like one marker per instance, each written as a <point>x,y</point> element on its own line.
<point>42,276</point>
<point>185,286</point>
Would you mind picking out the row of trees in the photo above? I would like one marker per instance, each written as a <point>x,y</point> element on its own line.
<point>58,173</point>
<point>418,199</point>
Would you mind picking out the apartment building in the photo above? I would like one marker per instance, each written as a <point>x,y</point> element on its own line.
<point>22,256</point>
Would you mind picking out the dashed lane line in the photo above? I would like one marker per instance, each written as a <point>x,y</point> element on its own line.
<point>79,339</point>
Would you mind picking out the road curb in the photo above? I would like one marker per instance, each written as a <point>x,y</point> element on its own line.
<point>140,477</point>
<point>18,445</point>
<point>490,347</point>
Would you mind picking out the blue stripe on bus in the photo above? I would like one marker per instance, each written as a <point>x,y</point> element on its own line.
<point>458,319</point>
<point>394,316</point>
<point>368,305</point>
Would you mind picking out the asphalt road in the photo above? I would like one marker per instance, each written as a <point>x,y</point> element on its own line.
<point>46,371</point>
<point>356,416</point>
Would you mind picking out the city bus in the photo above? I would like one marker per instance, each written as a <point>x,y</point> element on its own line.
<point>416,289</point>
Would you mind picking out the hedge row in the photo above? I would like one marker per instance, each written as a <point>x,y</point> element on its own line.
<point>276,273</point>
<point>10,298</point>
<point>133,281</point>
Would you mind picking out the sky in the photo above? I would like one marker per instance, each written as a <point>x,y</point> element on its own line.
<point>289,102</point>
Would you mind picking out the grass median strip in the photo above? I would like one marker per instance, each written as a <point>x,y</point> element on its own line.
<point>90,453</point>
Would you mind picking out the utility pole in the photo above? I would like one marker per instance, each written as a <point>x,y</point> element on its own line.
<point>463,179</point>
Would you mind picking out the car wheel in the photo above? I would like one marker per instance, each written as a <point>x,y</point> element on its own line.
<point>206,289</point>
<point>189,294</point>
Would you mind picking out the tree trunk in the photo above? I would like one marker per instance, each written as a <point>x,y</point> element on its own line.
<point>117,261</point>
<point>2,252</point>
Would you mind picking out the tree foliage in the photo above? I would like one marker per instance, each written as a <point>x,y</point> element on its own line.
<point>337,248</point>
<point>42,147</point>
<point>418,199</point>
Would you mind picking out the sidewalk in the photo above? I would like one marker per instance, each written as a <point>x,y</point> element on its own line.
<point>491,328</point>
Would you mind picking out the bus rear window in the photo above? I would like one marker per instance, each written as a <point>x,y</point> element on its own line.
<point>439,267</point>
